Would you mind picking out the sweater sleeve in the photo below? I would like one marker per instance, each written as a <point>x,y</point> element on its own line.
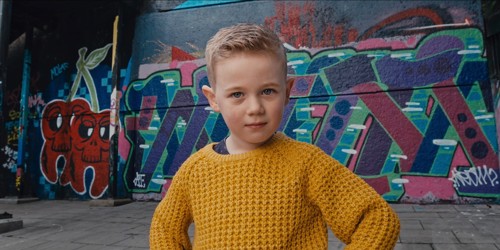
<point>172,217</point>
<point>355,212</point>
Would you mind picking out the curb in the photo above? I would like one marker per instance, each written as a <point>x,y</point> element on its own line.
<point>7,225</point>
<point>109,202</point>
<point>16,200</point>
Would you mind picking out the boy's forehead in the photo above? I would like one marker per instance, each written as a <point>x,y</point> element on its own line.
<point>267,55</point>
<point>263,55</point>
<point>250,57</point>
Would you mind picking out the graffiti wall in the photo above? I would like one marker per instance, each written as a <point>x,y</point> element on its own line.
<point>396,91</point>
<point>68,81</point>
<point>75,131</point>
<point>68,155</point>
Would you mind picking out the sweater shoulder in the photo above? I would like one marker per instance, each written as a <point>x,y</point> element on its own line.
<point>298,148</point>
<point>312,156</point>
<point>190,163</point>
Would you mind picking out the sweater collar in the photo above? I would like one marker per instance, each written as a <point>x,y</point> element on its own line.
<point>275,140</point>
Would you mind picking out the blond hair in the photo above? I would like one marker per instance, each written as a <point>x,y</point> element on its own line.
<point>242,38</point>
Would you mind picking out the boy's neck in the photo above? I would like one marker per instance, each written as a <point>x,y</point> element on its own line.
<point>237,147</point>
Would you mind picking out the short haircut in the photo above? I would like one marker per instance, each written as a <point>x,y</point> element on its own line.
<point>242,37</point>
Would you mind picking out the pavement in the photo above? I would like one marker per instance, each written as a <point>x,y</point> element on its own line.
<point>64,224</point>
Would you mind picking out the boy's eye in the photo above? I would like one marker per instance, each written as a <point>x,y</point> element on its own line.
<point>236,94</point>
<point>268,91</point>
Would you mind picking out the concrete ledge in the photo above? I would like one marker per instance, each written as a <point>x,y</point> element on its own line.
<point>16,200</point>
<point>7,225</point>
<point>109,202</point>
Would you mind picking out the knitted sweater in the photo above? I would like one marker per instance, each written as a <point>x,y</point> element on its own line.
<point>279,196</point>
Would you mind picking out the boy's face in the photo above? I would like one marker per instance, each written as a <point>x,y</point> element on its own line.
<point>251,92</point>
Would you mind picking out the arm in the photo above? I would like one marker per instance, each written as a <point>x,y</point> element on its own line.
<point>172,217</point>
<point>355,212</point>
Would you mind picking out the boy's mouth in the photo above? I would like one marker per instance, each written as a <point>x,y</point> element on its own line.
<point>255,124</point>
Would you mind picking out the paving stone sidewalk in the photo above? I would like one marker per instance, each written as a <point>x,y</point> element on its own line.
<point>76,225</point>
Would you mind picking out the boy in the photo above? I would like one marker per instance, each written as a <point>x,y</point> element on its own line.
<point>258,188</point>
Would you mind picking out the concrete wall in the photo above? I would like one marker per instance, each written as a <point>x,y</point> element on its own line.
<point>69,78</point>
<point>398,91</point>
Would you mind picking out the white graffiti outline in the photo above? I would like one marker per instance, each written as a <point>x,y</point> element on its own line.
<point>475,176</point>
<point>139,180</point>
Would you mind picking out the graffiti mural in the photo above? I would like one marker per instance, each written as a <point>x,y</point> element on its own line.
<point>76,134</point>
<point>398,91</point>
<point>405,103</point>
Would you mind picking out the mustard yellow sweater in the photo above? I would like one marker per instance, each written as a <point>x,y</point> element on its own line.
<point>279,196</point>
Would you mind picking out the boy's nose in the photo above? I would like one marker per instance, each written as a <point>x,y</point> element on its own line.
<point>255,106</point>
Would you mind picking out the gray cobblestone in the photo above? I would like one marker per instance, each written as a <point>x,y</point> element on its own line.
<point>400,246</point>
<point>427,236</point>
<point>76,225</point>
<point>474,237</point>
<point>464,247</point>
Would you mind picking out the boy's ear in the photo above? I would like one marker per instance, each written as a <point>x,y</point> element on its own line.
<point>210,95</point>
<point>289,85</point>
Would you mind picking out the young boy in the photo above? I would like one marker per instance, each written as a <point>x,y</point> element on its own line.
<point>259,188</point>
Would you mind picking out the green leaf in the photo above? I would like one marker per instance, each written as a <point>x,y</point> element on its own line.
<point>97,56</point>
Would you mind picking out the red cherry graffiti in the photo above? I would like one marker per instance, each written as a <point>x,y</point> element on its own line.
<point>55,131</point>
<point>81,137</point>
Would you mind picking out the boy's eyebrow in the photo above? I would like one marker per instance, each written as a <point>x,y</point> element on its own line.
<point>265,85</point>
<point>273,84</point>
<point>231,89</point>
